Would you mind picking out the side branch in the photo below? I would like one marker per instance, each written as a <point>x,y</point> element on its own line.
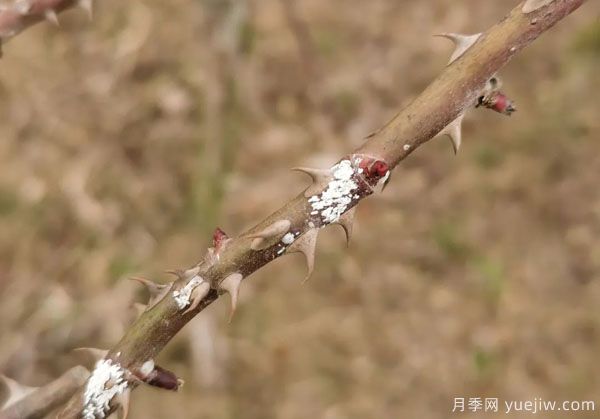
<point>30,403</point>
<point>330,199</point>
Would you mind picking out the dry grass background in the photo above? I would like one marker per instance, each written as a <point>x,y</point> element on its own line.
<point>127,140</point>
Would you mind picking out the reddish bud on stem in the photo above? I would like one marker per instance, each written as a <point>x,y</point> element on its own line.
<point>499,102</point>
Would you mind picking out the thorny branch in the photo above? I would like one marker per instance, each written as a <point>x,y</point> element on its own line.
<point>468,81</point>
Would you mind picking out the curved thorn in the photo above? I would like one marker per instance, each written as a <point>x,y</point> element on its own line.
<point>139,309</point>
<point>231,285</point>
<point>346,221</point>
<point>175,272</point>
<point>87,6</point>
<point>461,42</point>
<point>152,286</point>
<point>533,5</point>
<point>306,244</point>
<point>191,272</point>
<point>198,295</point>
<point>453,130</point>
<point>12,391</point>
<point>275,230</point>
<point>157,291</point>
<point>123,402</point>
<point>386,181</point>
<point>50,16</point>
<point>315,174</point>
<point>320,179</point>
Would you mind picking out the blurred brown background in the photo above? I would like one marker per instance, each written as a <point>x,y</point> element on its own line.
<point>125,141</point>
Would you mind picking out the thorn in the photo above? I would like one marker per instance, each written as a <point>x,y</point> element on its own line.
<point>191,272</point>
<point>139,309</point>
<point>386,181</point>
<point>273,230</point>
<point>123,402</point>
<point>198,295</point>
<point>461,42</point>
<point>50,16</point>
<point>533,5</point>
<point>453,130</point>
<point>154,288</point>
<point>320,178</point>
<point>12,391</point>
<point>346,221</point>
<point>231,285</point>
<point>176,272</point>
<point>88,7</point>
<point>263,237</point>
<point>306,245</point>
<point>157,291</point>
<point>89,356</point>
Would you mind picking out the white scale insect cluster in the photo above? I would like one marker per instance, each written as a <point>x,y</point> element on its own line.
<point>286,241</point>
<point>107,381</point>
<point>334,200</point>
<point>288,238</point>
<point>182,296</point>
